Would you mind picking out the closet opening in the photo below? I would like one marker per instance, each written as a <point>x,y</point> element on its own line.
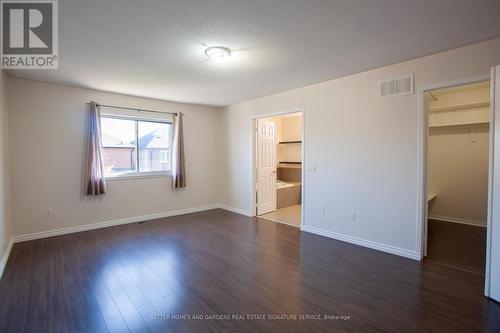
<point>457,170</point>
<point>278,194</point>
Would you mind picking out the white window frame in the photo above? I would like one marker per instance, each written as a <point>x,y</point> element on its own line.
<point>137,173</point>
<point>164,156</point>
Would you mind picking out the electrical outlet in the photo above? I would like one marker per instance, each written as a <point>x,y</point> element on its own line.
<point>48,212</point>
<point>323,210</point>
<point>351,215</point>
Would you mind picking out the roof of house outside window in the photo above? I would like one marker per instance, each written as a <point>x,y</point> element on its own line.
<point>153,140</point>
<point>109,141</point>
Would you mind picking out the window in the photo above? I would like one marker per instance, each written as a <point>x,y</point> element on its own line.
<point>134,147</point>
<point>164,156</point>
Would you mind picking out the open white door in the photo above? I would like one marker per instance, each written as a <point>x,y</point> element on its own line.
<point>492,275</point>
<point>266,167</point>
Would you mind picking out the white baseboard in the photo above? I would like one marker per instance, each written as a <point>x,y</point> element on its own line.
<point>99,225</point>
<point>235,210</point>
<point>362,242</point>
<point>458,220</point>
<point>5,256</point>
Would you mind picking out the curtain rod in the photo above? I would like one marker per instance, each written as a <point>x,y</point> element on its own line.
<point>134,109</point>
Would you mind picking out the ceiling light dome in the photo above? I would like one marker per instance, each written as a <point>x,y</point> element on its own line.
<point>218,52</point>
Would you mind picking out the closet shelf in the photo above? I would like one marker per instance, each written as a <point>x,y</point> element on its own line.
<point>466,106</point>
<point>289,166</point>
<point>288,142</point>
<point>289,162</point>
<point>476,123</point>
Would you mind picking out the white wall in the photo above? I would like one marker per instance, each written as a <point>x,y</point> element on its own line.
<point>5,225</point>
<point>458,174</point>
<point>365,148</point>
<point>291,128</point>
<point>48,140</point>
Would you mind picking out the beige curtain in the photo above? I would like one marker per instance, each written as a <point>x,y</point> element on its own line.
<point>178,162</point>
<point>95,181</point>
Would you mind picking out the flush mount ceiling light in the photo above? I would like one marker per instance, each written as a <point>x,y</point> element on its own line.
<point>218,52</point>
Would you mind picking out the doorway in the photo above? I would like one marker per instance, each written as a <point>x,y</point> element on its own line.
<point>457,170</point>
<point>278,168</point>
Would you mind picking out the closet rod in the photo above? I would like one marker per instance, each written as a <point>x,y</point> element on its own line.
<point>133,109</point>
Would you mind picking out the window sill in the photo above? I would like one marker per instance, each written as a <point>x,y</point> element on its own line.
<point>139,176</point>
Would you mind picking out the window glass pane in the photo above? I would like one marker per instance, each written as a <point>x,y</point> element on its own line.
<point>118,143</point>
<point>154,146</point>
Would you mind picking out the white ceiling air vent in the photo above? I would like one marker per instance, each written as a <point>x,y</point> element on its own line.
<point>396,87</point>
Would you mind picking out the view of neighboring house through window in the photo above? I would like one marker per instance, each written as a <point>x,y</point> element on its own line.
<point>154,138</point>
<point>164,156</point>
<point>135,147</point>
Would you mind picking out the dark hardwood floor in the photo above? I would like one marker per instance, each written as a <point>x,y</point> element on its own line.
<point>218,263</point>
<point>458,245</point>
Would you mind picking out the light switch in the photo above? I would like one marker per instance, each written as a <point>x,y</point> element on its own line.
<point>472,135</point>
<point>311,168</point>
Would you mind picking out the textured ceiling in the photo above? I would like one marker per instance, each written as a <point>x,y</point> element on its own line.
<point>155,48</point>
